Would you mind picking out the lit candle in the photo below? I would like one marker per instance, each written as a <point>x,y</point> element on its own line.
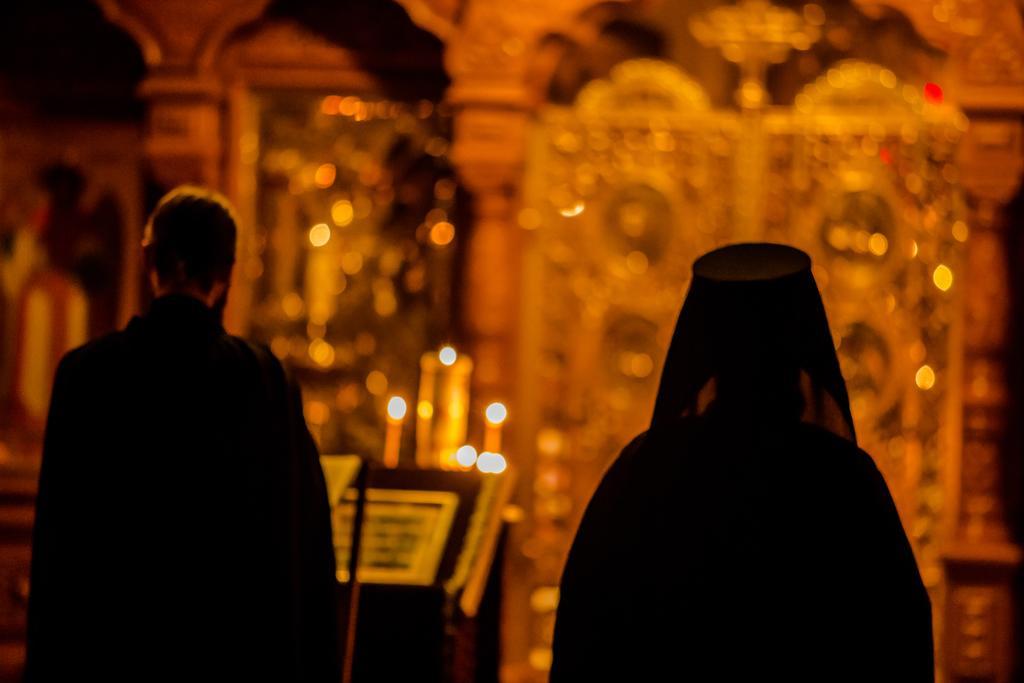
<point>442,408</point>
<point>494,417</point>
<point>491,463</point>
<point>393,435</point>
<point>466,456</point>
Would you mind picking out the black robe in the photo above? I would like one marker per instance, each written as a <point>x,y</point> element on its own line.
<point>182,525</point>
<point>739,539</point>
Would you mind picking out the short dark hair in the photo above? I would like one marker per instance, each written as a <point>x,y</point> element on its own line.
<point>192,233</point>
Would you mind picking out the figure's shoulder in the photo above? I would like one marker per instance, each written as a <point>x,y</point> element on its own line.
<point>671,436</point>
<point>838,455</point>
<point>654,445</point>
<point>257,356</point>
<point>97,353</point>
<point>240,345</point>
<point>819,436</point>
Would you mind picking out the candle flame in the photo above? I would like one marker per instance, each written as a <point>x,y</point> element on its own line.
<point>491,463</point>
<point>466,456</point>
<point>496,413</point>
<point>397,408</point>
<point>925,377</point>
<point>447,355</point>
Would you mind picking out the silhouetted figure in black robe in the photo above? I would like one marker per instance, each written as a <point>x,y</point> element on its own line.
<point>182,525</point>
<point>745,536</point>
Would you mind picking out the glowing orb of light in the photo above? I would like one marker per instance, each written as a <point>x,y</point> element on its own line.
<point>933,93</point>
<point>325,175</point>
<point>442,233</point>
<point>330,105</point>
<point>342,212</point>
<point>397,408</point>
<point>376,382</point>
<point>925,377</point>
<point>496,413</point>
<point>321,352</point>
<point>491,463</point>
<point>574,209</point>
<point>447,355</point>
<point>943,277</point>
<point>466,456</point>
<point>319,234</point>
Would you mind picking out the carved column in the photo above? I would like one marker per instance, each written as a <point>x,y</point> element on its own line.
<point>491,57</point>
<point>492,279</point>
<point>981,560</point>
<point>490,50</point>
<point>492,109</point>
<point>184,90</point>
<point>985,77</point>
<point>183,124</point>
<point>180,42</point>
<point>988,76</point>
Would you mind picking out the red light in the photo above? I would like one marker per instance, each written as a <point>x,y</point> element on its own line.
<point>933,93</point>
<point>885,155</point>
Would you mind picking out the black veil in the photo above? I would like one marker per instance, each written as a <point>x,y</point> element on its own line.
<point>712,545</point>
<point>752,338</point>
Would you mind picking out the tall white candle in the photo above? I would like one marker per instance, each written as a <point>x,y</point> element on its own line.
<point>393,435</point>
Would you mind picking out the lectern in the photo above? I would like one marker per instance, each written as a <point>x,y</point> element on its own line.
<point>429,570</point>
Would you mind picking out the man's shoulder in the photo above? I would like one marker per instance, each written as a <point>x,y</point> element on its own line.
<point>116,348</point>
<point>255,352</point>
<point>96,352</point>
<point>256,361</point>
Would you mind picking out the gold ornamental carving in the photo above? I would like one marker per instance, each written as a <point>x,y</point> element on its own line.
<point>437,16</point>
<point>181,34</point>
<point>490,54</point>
<point>181,43</point>
<point>999,58</point>
<point>985,42</point>
<point>754,34</point>
<point>660,87</point>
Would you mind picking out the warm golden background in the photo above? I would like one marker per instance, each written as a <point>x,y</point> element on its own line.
<point>529,180</point>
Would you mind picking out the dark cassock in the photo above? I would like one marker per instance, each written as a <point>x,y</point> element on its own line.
<point>745,536</point>
<point>182,525</point>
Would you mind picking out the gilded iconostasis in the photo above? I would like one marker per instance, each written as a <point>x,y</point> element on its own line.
<point>354,253</point>
<point>524,185</point>
<point>857,168</point>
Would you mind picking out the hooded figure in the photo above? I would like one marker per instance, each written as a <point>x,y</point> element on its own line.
<point>745,536</point>
<point>182,528</point>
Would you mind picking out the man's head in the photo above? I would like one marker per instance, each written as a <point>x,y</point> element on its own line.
<point>189,244</point>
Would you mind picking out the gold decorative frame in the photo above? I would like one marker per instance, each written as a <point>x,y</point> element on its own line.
<point>428,513</point>
<point>433,510</point>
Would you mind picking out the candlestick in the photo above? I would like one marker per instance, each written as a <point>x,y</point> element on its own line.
<point>494,417</point>
<point>393,435</point>
<point>442,408</point>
